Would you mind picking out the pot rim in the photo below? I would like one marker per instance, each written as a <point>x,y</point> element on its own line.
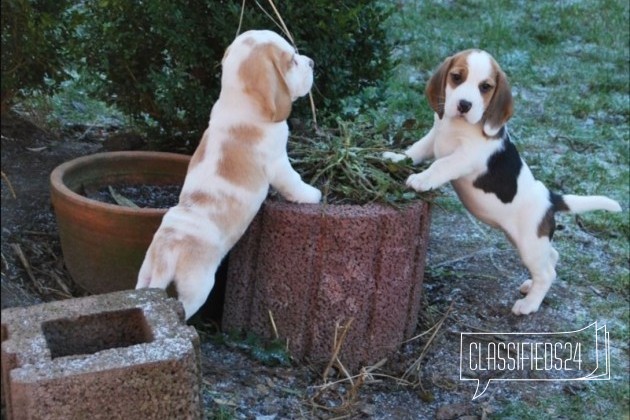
<point>56,179</point>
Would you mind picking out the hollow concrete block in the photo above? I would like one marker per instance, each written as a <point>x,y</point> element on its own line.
<point>313,267</point>
<point>124,355</point>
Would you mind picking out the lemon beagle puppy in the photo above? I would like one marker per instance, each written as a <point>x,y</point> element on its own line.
<point>469,140</point>
<point>241,153</point>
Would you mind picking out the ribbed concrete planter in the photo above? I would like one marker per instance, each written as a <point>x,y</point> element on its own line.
<point>104,244</point>
<point>315,266</point>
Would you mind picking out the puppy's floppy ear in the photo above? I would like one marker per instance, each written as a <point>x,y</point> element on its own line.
<point>262,74</point>
<point>436,87</point>
<point>501,106</point>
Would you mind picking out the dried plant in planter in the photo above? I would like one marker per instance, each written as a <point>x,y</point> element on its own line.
<point>346,165</point>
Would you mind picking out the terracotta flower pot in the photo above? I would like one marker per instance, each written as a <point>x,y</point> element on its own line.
<point>315,266</point>
<point>104,244</point>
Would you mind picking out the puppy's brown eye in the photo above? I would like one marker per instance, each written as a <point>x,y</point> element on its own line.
<point>456,77</point>
<point>485,87</point>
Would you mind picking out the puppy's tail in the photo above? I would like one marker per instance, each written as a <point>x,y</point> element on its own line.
<point>583,203</point>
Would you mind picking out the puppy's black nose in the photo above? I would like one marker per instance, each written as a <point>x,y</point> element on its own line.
<point>464,106</point>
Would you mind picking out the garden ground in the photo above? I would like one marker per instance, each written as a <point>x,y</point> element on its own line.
<point>471,269</point>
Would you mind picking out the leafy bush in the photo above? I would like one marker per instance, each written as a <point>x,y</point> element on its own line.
<point>32,35</point>
<point>160,61</point>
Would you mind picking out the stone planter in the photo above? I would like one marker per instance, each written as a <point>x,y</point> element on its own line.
<point>315,266</point>
<point>104,244</point>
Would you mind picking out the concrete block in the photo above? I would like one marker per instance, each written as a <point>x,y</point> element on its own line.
<point>125,355</point>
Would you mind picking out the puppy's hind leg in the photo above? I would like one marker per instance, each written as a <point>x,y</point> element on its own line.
<point>144,277</point>
<point>196,268</point>
<point>553,256</point>
<point>158,268</point>
<point>194,286</point>
<point>540,259</point>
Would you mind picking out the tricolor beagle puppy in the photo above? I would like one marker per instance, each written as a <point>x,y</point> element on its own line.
<point>241,153</point>
<point>469,139</point>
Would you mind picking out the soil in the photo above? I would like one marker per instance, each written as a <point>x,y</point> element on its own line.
<point>141,195</point>
<point>471,283</point>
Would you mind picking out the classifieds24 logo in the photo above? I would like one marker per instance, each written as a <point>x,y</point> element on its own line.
<point>580,355</point>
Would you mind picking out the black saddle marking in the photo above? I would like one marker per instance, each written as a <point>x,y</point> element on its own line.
<point>504,167</point>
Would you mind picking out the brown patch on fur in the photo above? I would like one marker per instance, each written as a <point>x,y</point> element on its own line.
<point>166,235</point>
<point>189,249</point>
<point>239,165</point>
<point>459,66</point>
<point>193,253</point>
<point>229,215</point>
<point>246,133</point>
<point>200,153</point>
<point>197,198</point>
<point>263,75</point>
<point>436,86</point>
<point>500,107</point>
<point>547,225</point>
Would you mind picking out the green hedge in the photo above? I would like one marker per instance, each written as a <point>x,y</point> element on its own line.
<point>159,61</point>
<point>33,33</point>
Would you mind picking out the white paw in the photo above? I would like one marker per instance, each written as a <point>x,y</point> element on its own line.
<point>421,182</point>
<point>308,194</point>
<point>394,157</point>
<point>524,289</point>
<point>524,307</point>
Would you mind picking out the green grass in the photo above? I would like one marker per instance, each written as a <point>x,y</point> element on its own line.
<point>72,104</point>
<point>578,402</point>
<point>568,65</point>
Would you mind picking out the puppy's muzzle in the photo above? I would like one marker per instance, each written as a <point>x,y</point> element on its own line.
<point>464,106</point>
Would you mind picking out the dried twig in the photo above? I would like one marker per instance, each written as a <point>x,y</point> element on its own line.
<point>6,179</point>
<point>273,325</point>
<point>337,343</point>
<point>464,257</point>
<point>64,287</point>
<point>120,199</point>
<point>340,335</point>
<point>283,25</point>
<point>290,36</point>
<point>27,266</point>
<point>240,20</point>
<point>5,263</point>
<point>34,233</point>
<point>415,366</point>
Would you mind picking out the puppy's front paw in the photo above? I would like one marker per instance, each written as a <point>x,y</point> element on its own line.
<point>421,182</point>
<point>394,157</point>
<point>307,194</point>
<point>525,307</point>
